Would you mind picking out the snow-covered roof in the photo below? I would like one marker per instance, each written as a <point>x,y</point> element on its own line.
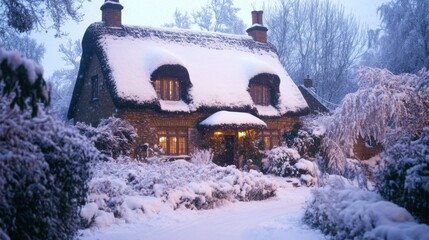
<point>220,67</point>
<point>231,119</point>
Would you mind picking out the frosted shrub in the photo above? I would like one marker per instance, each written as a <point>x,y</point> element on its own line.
<point>202,156</point>
<point>286,162</point>
<point>385,107</point>
<point>281,161</point>
<point>346,212</point>
<point>128,189</point>
<point>405,176</point>
<point>112,136</point>
<point>306,139</point>
<point>43,164</point>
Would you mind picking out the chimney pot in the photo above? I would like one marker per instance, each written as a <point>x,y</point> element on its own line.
<point>260,14</point>
<point>254,17</point>
<point>308,82</point>
<point>257,31</point>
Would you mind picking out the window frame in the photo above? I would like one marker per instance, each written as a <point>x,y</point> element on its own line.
<point>167,88</point>
<point>273,137</point>
<point>260,94</point>
<point>169,134</point>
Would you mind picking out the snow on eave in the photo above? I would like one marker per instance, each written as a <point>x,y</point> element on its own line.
<point>227,118</point>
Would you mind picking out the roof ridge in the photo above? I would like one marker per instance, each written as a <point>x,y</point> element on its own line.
<point>212,40</point>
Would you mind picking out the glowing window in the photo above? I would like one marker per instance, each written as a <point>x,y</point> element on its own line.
<point>271,138</point>
<point>173,141</point>
<point>167,88</point>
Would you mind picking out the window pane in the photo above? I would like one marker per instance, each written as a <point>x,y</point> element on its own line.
<point>158,88</point>
<point>260,94</point>
<point>173,145</point>
<point>267,143</point>
<point>163,143</point>
<point>182,145</point>
<point>176,90</point>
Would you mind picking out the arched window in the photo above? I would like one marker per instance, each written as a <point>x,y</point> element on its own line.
<point>171,83</point>
<point>167,88</point>
<point>264,89</point>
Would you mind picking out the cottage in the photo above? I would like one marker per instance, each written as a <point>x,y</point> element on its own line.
<point>184,89</point>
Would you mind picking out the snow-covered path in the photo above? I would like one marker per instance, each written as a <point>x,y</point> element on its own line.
<point>276,218</point>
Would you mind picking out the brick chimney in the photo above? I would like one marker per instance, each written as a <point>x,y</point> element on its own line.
<point>258,31</point>
<point>308,82</point>
<point>111,13</point>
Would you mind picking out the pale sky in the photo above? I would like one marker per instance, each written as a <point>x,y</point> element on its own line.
<point>157,12</point>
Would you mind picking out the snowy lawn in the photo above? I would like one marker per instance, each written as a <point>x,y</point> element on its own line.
<point>278,217</point>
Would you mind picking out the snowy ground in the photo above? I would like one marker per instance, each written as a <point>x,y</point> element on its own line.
<point>275,218</point>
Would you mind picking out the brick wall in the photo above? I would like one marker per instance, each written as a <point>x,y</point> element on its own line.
<point>91,111</point>
<point>148,122</point>
<point>112,17</point>
<point>259,36</point>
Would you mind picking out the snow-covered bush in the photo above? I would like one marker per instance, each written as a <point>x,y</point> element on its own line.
<point>113,136</point>
<point>346,212</point>
<point>202,156</point>
<point>281,161</point>
<point>43,164</point>
<point>286,162</point>
<point>404,179</point>
<point>385,107</point>
<point>306,138</point>
<point>124,189</point>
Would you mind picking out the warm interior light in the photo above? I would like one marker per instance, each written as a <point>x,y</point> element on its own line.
<point>241,134</point>
<point>217,133</point>
<point>162,139</point>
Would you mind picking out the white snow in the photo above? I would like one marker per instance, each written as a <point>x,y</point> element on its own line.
<point>275,218</point>
<point>229,118</point>
<point>269,111</point>
<point>174,106</point>
<point>219,72</point>
<point>15,60</point>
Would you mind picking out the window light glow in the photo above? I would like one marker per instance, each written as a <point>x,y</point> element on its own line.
<point>218,133</point>
<point>241,134</point>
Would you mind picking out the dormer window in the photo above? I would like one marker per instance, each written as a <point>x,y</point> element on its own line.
<point>171,83</point>
<point>167,88</point>
<point>260,94</point>
<point>264,89</point>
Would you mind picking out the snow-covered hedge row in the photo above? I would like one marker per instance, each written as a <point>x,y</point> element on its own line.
<point>286,162</point>
<point>347,212</point>
<point>126,189</point>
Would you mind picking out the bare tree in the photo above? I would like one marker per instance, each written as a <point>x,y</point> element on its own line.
<point>22,43</point>
<point>27,15</point>
<point>317,38</point>
<point>181,20</point>
<point>216,16</point>
<point>65,78</point>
